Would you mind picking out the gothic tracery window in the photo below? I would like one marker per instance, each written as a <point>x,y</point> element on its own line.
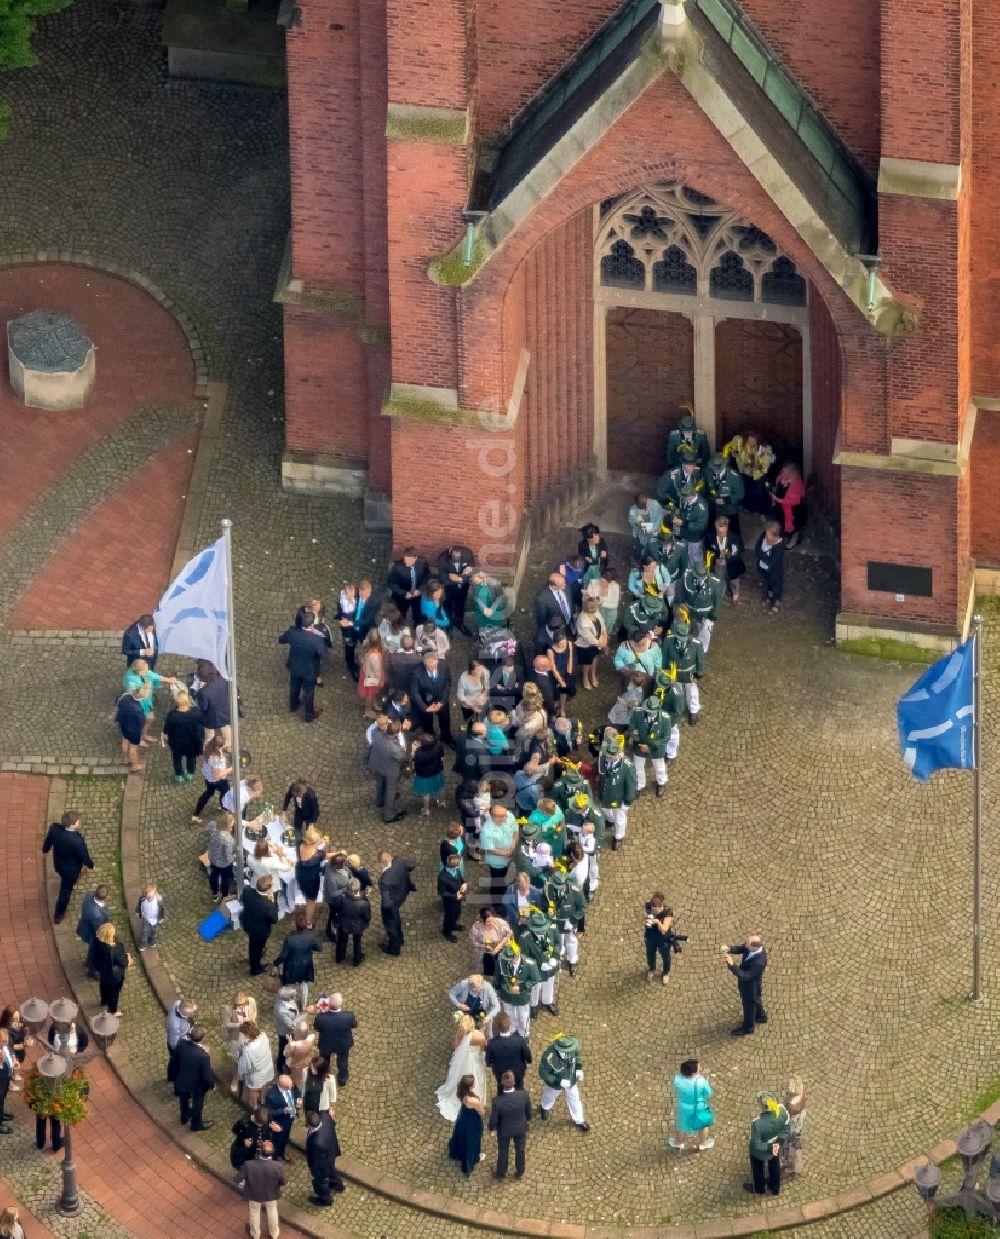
<point>672,239</point>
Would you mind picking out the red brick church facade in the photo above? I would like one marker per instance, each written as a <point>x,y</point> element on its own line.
<point>523,233</point>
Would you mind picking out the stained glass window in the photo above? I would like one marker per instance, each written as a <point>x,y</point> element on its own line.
<point>621,268</point>
<point>731,279</point>
<point>674,274</point>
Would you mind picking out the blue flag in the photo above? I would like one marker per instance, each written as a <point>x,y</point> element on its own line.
<point>193,616</point>
<point>936,716</point>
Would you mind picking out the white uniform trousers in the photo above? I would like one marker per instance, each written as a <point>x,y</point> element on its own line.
<point>593,873</point>
<point>617,818</point>
<point>674,743</point>
<point>705,627</point>
<point>692,696</point>
<point>544,992</point>
<point>659,770</point>
<point>570,946</point>
<point>573,1102</point>
<point>520,1016</point>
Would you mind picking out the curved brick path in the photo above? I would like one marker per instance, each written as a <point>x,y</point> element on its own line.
<point>123,1159</point>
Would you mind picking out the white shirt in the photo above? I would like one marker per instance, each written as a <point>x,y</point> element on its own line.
<point>245,797</point>
<point>151,911</point>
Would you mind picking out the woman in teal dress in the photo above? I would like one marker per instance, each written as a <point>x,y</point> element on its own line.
<point>693,1116</point>
<point>140,676</point>
<point>490,603</point>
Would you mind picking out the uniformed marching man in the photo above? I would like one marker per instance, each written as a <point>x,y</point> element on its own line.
<point>618,784</point>
<point>514,979</point>
<point>685,652</point>
<point>645,614</point>
<point>541,942</point>
<point>524,852</point>
<point>672,556</point>
<point>672,706</point>
<point>568,785</point>
<point>561,1070</point>
<point>670,484</point>
<point>701,593</point>
<point>648,733</point>
<point>566,905</point>
<point>691,521</point>
<point>580,809</point>
<point>724,491</point>
<point>687,442</point>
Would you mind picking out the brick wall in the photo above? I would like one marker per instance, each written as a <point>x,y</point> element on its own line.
<point>324,106</point>
<point>922,79</point>
<point>519,47</point>
<point>903,518</point>
<point>826,367</point>
<point>326,386</point>
<point>985,172</point>
<point>834,53</point>
<point>984,470</point>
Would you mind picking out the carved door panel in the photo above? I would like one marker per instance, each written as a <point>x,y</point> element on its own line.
<point>650,373</point>
<point>758,382</point>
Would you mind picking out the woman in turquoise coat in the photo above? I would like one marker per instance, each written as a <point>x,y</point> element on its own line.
<point>139,676</point>
<point>693,1116</point>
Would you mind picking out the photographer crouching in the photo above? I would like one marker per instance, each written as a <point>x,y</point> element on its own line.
<point>660,937</point>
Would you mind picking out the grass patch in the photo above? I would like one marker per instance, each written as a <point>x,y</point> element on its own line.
<point>953,1224</point>
<point>985,1098</point>
<point>889,649</point>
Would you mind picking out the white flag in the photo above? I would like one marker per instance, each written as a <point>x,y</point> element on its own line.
<point>192,617</point>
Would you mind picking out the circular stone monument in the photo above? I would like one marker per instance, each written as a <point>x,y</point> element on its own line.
<point>51,360</point>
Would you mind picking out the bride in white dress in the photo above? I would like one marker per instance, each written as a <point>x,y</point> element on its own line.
<point>468,1058</point>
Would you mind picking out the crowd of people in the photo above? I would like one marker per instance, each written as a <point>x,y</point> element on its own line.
<point>542,793</point>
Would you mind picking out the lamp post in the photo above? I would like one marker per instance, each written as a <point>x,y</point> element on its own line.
<point>972,1145</point>
<point>54,1069</point>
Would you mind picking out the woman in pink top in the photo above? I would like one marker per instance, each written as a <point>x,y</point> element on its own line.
<point>787,496</point>
<point>371,681</point>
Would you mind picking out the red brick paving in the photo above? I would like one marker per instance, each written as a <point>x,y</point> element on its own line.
<point>142,359</point>
<point>123,1159</point>
<point>129,540</point>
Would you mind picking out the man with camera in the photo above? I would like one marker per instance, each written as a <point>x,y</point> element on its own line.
<point>749,973</point>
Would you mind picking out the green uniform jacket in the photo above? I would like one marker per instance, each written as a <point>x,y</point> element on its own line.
<point>526,978</point>
<point>725,493</point>
<point>673,705</point>
<point>693,520</point>
<point>689,661</point>
<point>571,906</point>
<point>700,452</point>
<point>702,595</point>
<point>673,560</point>
<point>563,791</point>
<point>768,1129</point>
<point>650,729</point>
<point>555,1067</point>
<point>617,782</point>
<point>541,948</point>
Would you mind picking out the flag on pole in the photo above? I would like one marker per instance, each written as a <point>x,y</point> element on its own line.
<point>936,716</point>
<point>192,617</point>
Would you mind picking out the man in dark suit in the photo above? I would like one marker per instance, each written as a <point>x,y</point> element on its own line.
<point>306,650</point>
<point>259,916</point>
<point>280,1101</point>
<point>430,692</point>
<point>455,567</point>
<point>366,611</point>
<point>507,1051</point>
<point>139,641</point>
<point>509,1118</point>
<point>336,1037</point>
<point>541,676</point>
<point>552,604</point>
<point>385,761</point>
<point>473,759</point>
<point>749,973</point>
<point>69,857</point>
<point>93,914</point>
<point>403,663</point>
<point>322,1151</point>
<point>394,886</point>
<point>190,1072</point>
<point>406,579</point>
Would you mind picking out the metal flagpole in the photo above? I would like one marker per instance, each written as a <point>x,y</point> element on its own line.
<point>977,799</point>
<point>234,713</point>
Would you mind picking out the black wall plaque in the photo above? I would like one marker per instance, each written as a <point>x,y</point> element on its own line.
<point>900,579</point>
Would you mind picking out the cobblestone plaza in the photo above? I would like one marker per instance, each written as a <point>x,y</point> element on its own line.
<point>788,810</point>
